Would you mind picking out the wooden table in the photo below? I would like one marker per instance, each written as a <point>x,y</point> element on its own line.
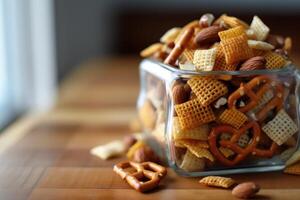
<point>46,155</point>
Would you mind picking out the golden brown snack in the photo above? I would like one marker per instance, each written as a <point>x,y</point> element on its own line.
<point>217,181</point>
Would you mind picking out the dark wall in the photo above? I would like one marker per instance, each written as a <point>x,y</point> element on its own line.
<point>90,28</point>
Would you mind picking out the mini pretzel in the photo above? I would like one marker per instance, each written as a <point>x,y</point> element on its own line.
<point>232,143</point>
<point>247,89</point>
<point>180,45</point>
<point>150,170</point>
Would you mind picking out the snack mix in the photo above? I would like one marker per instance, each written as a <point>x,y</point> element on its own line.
<point>235,108</point>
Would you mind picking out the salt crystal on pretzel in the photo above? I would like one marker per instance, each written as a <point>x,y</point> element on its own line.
<point>260,45</point>
<point>232,33</point>
<point>280,128</point>
<point>217,181</point>
<point>220,62</point>
<point>293,169</point>
<point>192,163</point>
<point>192,114</point>
<point>260,29</point>
<point>274,61</point>
<point>170,35</point>
<point>233,117</point>
<point>199,133</point>
<point>204,60</point>
<point>207,89</point>
<point>236,49</point>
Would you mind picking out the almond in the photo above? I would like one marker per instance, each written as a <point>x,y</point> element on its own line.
<point>208,35</point>
<point>245,190</point>
<point>254,63</point>
<point>144,154</point>
<point>180,94</point>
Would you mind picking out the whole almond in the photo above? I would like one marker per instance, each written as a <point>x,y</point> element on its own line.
<point>254,63</point>
<point>180,94</point>
<point>245,190</point>
<point>144,154</point>
<point>208,35</point>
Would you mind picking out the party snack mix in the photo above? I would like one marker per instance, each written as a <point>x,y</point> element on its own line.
<point>223,119</point>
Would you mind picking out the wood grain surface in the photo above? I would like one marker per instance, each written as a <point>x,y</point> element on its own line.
<point>46,155</point>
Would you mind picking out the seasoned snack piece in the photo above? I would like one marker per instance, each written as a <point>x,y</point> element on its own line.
<point>293,159</point>
<point>293,169</point>
<point>207,89</point>
<point>188,55</point>
<point>260,29</point>
<point>133,148</point>
<point>192,163</point>
<point>199,133</point>
<point>146,177</point>
<point>217,181</point>
<point>231,33</point>
<point>274,61</point>
<point>149,51</point>
<point>234,22</point>
<point>220,62</point>
<point>179,46</point>
<point>170,35</point>
<point>260,45</point>
<point>281,128</point>
<point>200,152</point>
<point>233,117</point>
<point>204,60</point>
<point>112,149</point>
<point>287,44</point>
<point>226,152</point>
<point>236,49</point>
<point>254,63</point>
<point>232,142</point>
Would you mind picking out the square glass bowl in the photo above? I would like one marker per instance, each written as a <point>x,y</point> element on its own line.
<point>220,122</point>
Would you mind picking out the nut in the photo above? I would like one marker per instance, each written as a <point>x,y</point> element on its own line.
<point>180,94</point>
<point>287,44</point>
<point>206,20</point>
<point>245,190</point>
<point>144,154</point>
<point>129,140</point>
<point>254,63</point>
<point>276,40</point>
<point>208,35</point>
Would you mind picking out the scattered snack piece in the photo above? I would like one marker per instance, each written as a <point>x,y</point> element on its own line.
<point>260,29</point>
<point>192,114</point>
<point>281,128</point>
<point>233,117</point>
<point>207,89</point>
<point>217,181</point>
<point>109,150</point>
<point>204,60</point>
<point>245,190</point>
<point>293,169</point>
<point>147,176</point>
<point>293,159</point>
<point>192,163</point>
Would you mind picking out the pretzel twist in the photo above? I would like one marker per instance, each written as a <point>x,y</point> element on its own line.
<point>150,170</point>
<point>232,143</point>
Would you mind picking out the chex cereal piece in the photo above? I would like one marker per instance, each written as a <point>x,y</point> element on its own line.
<point>260,45</point>
<point>234,22</point>
<point>193,143</point>
<point>187,66</point>
<point>233,117</point>
<point>192,163</point>
<point>220,62</point>
<point>217,181</point>
<point>204,60</point>
<point>199,133</point>
<point>293,159</point>
<point>201,152</point>
<point>260,29</point>
<point>192,114</point>
<point>231,33</point>
<point>263,101</point>
<point>188,55</point>
<point>293,169</point>
<point>106,151</point>
<point>243,140</point>
<point>226,152</point>
<point>280,128</point>
<point>274,61</point>
<point>236,49</point>
<point>207,89</point>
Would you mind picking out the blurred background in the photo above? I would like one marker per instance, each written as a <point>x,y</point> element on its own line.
<point>43,41</point>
